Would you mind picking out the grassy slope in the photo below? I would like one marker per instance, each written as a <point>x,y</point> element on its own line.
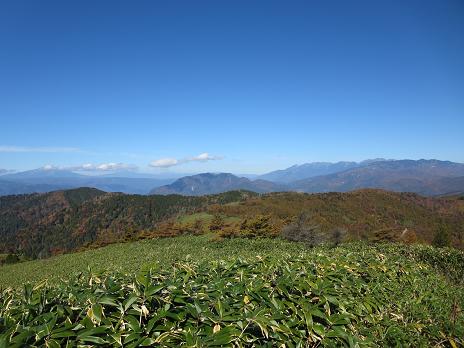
<point>131,257</point>
<point>164,252</point>
<point>383,294</point>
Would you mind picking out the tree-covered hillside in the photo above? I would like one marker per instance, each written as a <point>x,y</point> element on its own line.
<point>364,214</point>
<point>40,225</point>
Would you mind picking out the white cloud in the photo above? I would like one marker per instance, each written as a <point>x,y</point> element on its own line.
<point>108,166</point>
<point>164,163</point>
<point>50,167</point>
<point>16,149</point>
<point>102,167</point>
<point>87,166</point>
<point>170,162</point>
<point>113,166</point>
<point>204,157</point>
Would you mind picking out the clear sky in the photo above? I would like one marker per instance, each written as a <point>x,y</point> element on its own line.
<point>238,86</point>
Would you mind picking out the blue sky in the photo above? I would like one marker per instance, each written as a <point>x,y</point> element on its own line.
<point>256,85</point>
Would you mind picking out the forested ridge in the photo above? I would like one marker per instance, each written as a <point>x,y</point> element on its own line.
<point>40,225</point>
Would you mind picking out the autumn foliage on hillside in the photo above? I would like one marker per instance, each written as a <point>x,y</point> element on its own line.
<point>369,214</point>
<point>40,225</point>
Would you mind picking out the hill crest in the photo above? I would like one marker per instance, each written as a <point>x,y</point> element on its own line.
<point>213,183</point>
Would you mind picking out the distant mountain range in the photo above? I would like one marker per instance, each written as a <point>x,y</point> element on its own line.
<point>14,188</point>
<point>44,180</point>
<point>426,177</point>
<point>308,170</point>
<point>208,183</point>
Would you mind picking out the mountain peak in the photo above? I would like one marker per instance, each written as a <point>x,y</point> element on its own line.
<point>307,170</point>
<point>211,183</point>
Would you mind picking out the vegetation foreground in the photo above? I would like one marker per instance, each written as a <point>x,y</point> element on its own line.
<point>194,292</point>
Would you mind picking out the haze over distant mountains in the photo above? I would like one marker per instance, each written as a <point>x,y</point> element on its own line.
<point>310,170</point>
<point>426,177</point>
<point>45,180</point>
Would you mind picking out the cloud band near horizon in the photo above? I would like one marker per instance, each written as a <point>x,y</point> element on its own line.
<point>103,167</point>
<point>171,162</point>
